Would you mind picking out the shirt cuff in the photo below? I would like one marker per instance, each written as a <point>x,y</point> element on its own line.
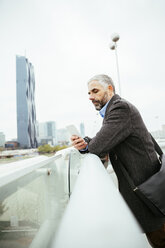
<point>84,150</point>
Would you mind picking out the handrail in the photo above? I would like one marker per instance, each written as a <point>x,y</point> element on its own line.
<point>97,215</point>
<point>13,171</point>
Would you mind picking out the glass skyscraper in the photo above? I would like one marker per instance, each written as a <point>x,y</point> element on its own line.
<point>26,111</point>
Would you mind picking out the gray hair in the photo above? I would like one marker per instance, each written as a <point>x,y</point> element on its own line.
<point>104,80</point>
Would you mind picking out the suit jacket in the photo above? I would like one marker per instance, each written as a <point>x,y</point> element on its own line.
<point>125,137</point>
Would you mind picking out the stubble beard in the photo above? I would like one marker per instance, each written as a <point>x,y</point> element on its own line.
<point>100,103</point>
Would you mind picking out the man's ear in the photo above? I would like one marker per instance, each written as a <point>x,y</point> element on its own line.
<point>110,89</point>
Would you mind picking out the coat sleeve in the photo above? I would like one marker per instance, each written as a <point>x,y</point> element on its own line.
<point>115,129</point>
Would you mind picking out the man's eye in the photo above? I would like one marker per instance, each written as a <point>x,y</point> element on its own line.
<point>95,91</point>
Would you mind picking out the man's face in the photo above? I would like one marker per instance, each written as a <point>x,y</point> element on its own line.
<point>98,94</point>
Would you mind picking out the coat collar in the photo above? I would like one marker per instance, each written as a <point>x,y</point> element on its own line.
<point>111,102</point>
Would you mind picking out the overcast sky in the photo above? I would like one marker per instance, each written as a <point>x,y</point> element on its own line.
<point>67,41</point>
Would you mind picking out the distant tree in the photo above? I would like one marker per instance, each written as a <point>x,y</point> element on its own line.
<point>2,149</point>
<point>58,148</point>
<point>63,147</point>
<point>49,149</point>
<point>45,149</point>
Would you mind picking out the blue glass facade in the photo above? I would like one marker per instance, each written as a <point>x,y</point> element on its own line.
<point>26,111</point>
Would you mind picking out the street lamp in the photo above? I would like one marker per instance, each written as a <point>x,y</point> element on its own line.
<point>113,46</point>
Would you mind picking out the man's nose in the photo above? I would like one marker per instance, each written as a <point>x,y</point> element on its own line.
<point>91,98</point>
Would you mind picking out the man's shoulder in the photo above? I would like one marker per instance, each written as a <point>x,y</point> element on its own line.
<point>120,100</point>
<point>121,105</point>
<point>117,101</point>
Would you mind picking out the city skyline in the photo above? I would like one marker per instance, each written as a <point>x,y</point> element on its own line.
<point>68,43</point>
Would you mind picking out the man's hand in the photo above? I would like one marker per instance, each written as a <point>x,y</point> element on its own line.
<point>78,142</point>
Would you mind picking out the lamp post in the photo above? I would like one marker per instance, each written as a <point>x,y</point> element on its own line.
<point>113,46</point>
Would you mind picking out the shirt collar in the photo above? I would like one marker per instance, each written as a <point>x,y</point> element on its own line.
<point>102,111</point>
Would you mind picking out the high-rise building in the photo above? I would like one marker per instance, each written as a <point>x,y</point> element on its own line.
<point>51,129</point>
<point>47,133</point>
<point>26,111</point>
<point>2,139</point>
<point>63,136</point>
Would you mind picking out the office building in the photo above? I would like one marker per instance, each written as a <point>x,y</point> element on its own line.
<point>26,111</point>
<point>11,144</point>
<point>63,137</point>
<point>47,133</point>
<point>2,139</point>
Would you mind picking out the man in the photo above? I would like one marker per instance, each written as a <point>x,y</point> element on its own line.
<point>125,137</point>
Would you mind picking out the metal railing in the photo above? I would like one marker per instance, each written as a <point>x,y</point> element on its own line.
<point>33,197</point>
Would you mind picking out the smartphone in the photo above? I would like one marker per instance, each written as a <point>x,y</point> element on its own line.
<point>72,130</point>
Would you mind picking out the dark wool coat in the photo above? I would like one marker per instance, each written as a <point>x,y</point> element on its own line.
<point>125,137</point>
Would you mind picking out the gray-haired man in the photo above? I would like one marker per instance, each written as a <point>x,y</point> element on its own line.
<point>125,138</point>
